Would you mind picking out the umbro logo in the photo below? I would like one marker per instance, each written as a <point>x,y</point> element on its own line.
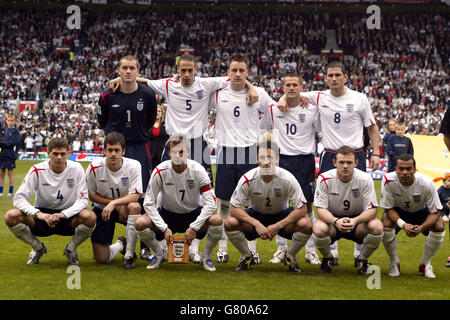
<point>334,193</point>
<point>102,181</point>
<point>280,117</point>
<point>224,101</point>
<point>324,106</point>
<point>257,193</point>
<point>46,184</point>
<point>169,184</point>
<point>176,93</point>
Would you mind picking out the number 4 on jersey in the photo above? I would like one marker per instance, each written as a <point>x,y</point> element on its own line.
<point>59,196</point>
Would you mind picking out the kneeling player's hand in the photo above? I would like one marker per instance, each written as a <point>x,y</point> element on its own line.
<point>409,230</point>
<point>273,231</point>
<point>190,234</point>
<point>262,231</point>
<point>107,210</point>
<point>56,217</point>
<point>168,235</point>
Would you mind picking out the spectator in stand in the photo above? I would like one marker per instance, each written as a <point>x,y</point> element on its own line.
<point>29,143</point>
<point>158,137</point>
<point>38,141</point>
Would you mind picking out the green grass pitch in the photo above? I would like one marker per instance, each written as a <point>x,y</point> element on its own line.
<point>48,279</point>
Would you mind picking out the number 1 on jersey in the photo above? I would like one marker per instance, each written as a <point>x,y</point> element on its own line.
<point>129,115</point>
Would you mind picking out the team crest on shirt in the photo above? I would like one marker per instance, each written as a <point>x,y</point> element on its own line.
<point>124,181</point>
<point>355,193</point>
<point>199,94</point>
<point>140,105</point>
<point>416,197</point>
<point>301,117</point>
<point>190,183</point>
<point>70,183</point>
<point>277,192</point>
<point>349,107</point>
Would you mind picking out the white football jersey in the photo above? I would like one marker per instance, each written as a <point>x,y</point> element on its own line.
<point>66,191</point>
<point>187,108</point>
<point>180,193</point>
<point>345,199</point>
<point>295,130</point>
<point>237,123</point>
<point>113,185</point>
<point>269,198</point>
<point>422,193</point>
<point>343,118</point>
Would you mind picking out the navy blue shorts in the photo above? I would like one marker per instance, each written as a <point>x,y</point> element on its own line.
<point>414,218</point>
<point>104,230</point>
<point>199,152</point>
<point>303,167</point>
<point>326,160</point>
<point>141,153</point>
<point>232,164</point>
<point>62,228</point>
<point>267,220</point>
<point>179,223</point>
<point>7,164</point>
<point>346,235</point>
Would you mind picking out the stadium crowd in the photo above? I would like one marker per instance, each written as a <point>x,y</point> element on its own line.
<point>403,68</point>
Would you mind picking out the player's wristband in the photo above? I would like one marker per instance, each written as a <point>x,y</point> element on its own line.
<point>334,223</point>
<point>375,155</point>
<point>400,223</point>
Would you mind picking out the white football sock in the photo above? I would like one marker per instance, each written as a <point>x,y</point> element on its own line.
<point>282,243</point>
<point>224,212</point>
<point>23,232</point>
<point>114,249</point>
<point>323,244</point>
<point>370,244</point>
<point>193,248</point>
<point>82,233</point>
<point>148,237</point>
<point>252,245</point>
<point>390,244</point>
<point>131,236</point>
<point>432,244</point>
<point>237,238</point>
<point>298,241</point>
<point>212,237</point>
<point>310,246</point>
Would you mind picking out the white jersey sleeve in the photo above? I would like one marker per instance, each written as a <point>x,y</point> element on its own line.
<point>26,190</point>
<point>154,187</point>
<point>209,200</point>
<point>160,86</point>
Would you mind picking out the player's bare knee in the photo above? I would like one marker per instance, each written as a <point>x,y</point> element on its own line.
<point>304,225</point>
<point>101,259</point>
<point>215,220</point>
<point>320,229</point>
<point>87,217</point>
<point>134,208</point>
<point>439,226</point>
<point>387,223</point>
<point>13,217</point>
<point>142,223</point>
<point>375,227</point>
<point>231,224</point>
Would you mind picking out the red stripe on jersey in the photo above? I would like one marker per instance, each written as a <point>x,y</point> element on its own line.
<point>318,96</point>
<point>205,188</point>
<point>217,97</point>
<point>324,179</point>
<point>386,180</point>
<point>167,86</point>
<point>372,205</point>
<point>93,169</point>
<point>149,155</point>
<point>159,172</point>
<point>104,95</point>
<point>36,170</point>
<point>246,180</point>
<point>271,112</point>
